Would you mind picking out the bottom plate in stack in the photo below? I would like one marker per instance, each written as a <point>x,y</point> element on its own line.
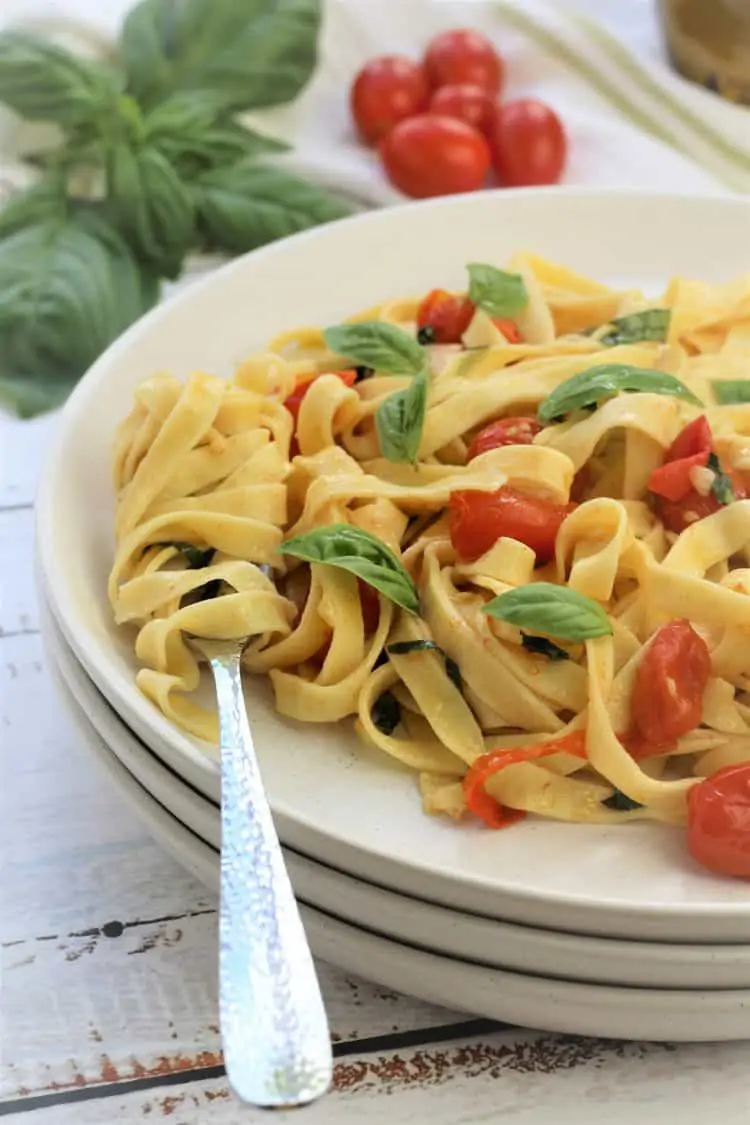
<point>187,826</point>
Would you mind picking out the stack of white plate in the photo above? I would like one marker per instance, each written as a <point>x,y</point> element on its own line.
<point>597,930</point>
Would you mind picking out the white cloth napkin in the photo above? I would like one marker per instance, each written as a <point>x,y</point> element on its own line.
<point>631,121</point>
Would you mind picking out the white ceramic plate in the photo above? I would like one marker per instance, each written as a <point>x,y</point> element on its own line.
<point>332,800</point>
<point>435,928</point>
<point>540,1002</point>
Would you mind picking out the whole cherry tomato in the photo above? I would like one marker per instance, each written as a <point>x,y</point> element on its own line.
<point>464,56</point>
<point>667,697</point>
<point>430,155</point>
<point>718,834</point>
<point>442,317</point>
<point>528,143</point>
<point>478,519</point>
<point>505,431</point>
<point>467,103</point>
<point>386,90</point>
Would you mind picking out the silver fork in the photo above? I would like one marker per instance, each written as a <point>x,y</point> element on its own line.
<point>277,1047</point>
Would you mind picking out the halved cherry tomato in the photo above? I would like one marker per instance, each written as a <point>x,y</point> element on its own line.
<point>430,155</point>
<point>478,519</point>
<point>387,90</point>
<point>462,56</point>
<point>678,503</point>
<point>667,698</point>
<point>528,144</point>
<point>638,748</point>
<point>479,802</point>
<point>467,103</point>
<point>444,316</point>
<point>509,329</point>
<point>505,431</point>
<point>718,834</point>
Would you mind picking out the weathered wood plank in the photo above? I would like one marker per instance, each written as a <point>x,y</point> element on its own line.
<point>524,1078</point>
<point>17,591</point>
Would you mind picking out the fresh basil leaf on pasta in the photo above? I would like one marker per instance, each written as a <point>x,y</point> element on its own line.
<point>359,552</point>
<point>495,291</point>
<point>620,802</point>
<point>730,391</point>
<point>589,387</point>
<point>555,610</point>
<point>372,343</point>
<point>402,648</point>
<point>651,324</point>
<point>399,420</point>
<point>540,646</point>
<point>386,713</point>
<point>721,485</point>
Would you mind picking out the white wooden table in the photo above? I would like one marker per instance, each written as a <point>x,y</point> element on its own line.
<point>108,988</point>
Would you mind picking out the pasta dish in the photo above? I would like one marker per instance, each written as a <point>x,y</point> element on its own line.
<point>504,529</point>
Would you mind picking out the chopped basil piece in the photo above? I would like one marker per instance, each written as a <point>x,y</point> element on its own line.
<point>496,292</point>
<point>730,392</point>
<point>399,420</point>
<point>543,647</point>
<point>452,670</point>
<point>373,343</point>
<point>620,802</point>
<point>386,713</point>
<point>721,485</point>
<point>195,557</point>
<point>651,324</point>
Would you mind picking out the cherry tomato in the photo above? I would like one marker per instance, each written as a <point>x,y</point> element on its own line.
<point>293,401</point>
<point>667,698</point>
<point>478,519</point>
<point>509,329</point>
<point>673,481</point>
<point>463,57</point>
<point>694,438</point>
<point>718,834</point>
<point>505,431</point>
<point>479,802</point>
<point>430,155</point>
<point>385,91</point>
<point>528,144</point>
<point>467,103</point>
<point>442,318</point>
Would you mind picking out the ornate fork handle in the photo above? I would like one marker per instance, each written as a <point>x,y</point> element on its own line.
<point>275,1033</point>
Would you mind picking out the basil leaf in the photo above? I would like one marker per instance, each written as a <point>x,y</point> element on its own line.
<point>386,713</point>
<point>248,55</point>
<point>359,552</point>
<point>497,292</point>
<point>44,201</point>
<point>542,647</point>
<point>196,557</point>
<point>399,420</point>
<point>453,672</point>
<point>68,287</point>
<point>151,206</point>
<point>729,391</point>
<point>651,324</point>
<point>722,484</point>
<point>556,610</point>
<point>42,82</point>
<point>376,344</point>
<point>621,802</point>
<point>590,387</point>
<point>247,205</point>
<point>188,132</point>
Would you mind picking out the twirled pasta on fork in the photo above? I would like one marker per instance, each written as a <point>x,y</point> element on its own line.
<point>507,533</point>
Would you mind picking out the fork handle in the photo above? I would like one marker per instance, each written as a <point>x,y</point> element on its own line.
<point>277,1047</point>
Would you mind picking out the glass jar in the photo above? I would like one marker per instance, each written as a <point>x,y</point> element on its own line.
<point>709,42</point>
